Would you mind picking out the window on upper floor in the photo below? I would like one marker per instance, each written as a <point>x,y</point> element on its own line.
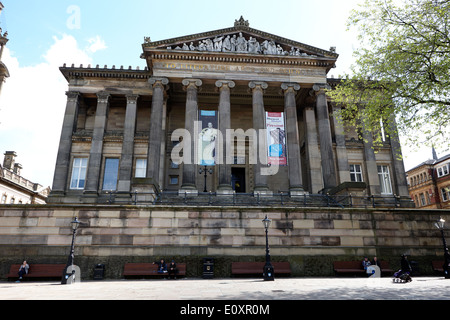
<point>443,170</point>
<point>385,179</point>
<point>445,193</point>
<point>78,178</point>
<point>111,174</point>
<point>356,173</point>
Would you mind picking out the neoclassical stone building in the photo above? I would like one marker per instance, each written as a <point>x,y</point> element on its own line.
<point>247,106</point>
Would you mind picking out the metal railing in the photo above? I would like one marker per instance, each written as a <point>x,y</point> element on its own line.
<point>280,199</point>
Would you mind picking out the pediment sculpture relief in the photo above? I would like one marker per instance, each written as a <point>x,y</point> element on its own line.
<point>238,43</point>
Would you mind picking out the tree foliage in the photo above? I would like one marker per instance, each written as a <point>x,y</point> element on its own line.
<point>402,68</point>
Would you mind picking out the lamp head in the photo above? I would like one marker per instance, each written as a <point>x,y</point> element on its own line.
<point>266,222</point>
<point>440,224</point>
<point>75,223</point>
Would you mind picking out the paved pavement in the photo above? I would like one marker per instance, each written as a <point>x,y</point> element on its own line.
<point>421,288</point>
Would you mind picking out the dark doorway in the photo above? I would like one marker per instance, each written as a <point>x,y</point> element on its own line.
<point>238,179</point>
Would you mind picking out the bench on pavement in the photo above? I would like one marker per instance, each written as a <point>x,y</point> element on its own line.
<point>356,268</point>
<point>256,268</point>
<point>38,271</point>
<point>149,269</point>
<point>438,266</point>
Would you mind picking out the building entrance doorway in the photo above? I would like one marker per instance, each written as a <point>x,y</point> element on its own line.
<point>238,179</point>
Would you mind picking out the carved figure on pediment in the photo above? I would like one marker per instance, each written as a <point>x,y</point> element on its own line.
<point>218,43</point>
<point>253,45</point>
<point>226,45</point>
<point>280,50</point>
<point>192,47</point>
<point>185,47</point>
<point>209,45</point>
<point>241,43</point>
<point>233,43</point>
<point>201,46</point>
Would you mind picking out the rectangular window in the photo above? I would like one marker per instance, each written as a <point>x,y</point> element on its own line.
<point>141,168</point>
<point>445,194</point>
<point>442,171</point>
<point>111,174</point>
<point>78,178</point>
<point>356,173</point>
<point>385,179</point>
<point>422,200</point>
<point>173,180</point>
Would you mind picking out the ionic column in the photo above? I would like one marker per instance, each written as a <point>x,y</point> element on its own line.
<point>341,149</point>
<point>189,173</point>
<point>313,157</point>
<point>156,130</point>
<point>326,144</point>
<point>371,163</point>
<point>399,176</point>
<point>293,140</point>
<point>258,88</point>
<point>95,157</point>
<point>126,159</point>
<point>60,179</point>
<point>224,145</point>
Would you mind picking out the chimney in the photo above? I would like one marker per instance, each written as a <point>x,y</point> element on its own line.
<point>17,168</point>
<point>9,159</point>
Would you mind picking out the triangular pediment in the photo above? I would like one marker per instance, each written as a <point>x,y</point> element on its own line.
<point>239,39</point>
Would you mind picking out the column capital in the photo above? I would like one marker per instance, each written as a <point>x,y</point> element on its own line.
<point>73,95</point>
<point>191,82</point>
<point>103,97</point>
<point>132,98</point>
<point>155,81</point>
<point>258,84</point>
<point>319,88</point>
<point>288,86</point>
<point>228,83</point>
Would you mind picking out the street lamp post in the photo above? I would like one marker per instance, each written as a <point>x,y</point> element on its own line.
<point>440,225</point>
<point>268,273</point>
<point>66,274</point>
<point>206,171</point>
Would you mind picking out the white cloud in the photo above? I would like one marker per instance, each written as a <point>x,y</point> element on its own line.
<point>96,44</point>
<point>32,106</point>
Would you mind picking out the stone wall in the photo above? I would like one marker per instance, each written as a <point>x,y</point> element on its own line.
<point>309,238</point>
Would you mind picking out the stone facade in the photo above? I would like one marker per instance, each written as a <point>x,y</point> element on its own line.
<point>14,188</point>
<point>120,128</point>
<point>310,238</point>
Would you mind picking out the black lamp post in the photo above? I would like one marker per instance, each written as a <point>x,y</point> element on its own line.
<point>440,225</point>
<point>268,268</point>
<point>206,171</point>
<point>75,223</point>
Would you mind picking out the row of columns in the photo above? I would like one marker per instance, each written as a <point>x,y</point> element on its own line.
<point>159,87</point>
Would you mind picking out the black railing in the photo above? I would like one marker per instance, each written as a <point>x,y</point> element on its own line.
<point>283,199</point>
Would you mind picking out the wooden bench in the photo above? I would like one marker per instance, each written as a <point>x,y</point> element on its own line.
<point>38,271</point>
<point>356,268</point>
<point>256,268</point>
<point>438,266</point>
<point>149,269</point>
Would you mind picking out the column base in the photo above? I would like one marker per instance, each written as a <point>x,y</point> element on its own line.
<point>225,190</point>
<point>262,191</point>
<point>297,192</point>
<point>188,191</point>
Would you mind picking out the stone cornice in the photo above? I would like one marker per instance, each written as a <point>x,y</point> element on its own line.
<point>97,72</point>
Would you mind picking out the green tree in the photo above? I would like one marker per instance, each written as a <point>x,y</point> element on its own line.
<point>402,68</point>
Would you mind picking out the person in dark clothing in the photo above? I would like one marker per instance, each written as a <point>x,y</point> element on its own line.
<point>376,262</point>
<point>23,270</point>
<point>172,270</point>
<point>162,266</point>
<point>405,270</point>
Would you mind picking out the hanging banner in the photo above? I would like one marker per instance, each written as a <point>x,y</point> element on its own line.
<point>207,138</point>
<point>276,138</point>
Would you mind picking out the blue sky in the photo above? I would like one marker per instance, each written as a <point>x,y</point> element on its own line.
<point>45,34</point>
